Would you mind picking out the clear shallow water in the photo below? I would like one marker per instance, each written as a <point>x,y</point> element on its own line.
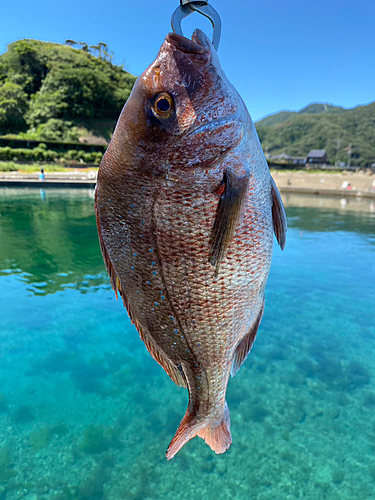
<point>86,413</point>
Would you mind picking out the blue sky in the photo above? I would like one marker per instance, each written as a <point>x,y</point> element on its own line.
<point>278,54</point>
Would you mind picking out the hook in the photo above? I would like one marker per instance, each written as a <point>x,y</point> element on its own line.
<point>187,7</point>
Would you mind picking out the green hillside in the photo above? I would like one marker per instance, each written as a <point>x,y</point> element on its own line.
<point>321,126</point>
<point>50,91</point>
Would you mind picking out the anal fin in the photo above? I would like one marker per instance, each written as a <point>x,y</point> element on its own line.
<point>160,357</point>
<point>244,347</point>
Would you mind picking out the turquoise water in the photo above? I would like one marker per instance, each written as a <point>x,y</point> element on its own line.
<point>86,413</point>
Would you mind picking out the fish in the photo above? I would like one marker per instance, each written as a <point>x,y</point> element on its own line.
<point>186,209</point>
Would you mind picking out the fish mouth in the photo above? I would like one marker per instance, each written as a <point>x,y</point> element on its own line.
<point>198,49</point>
<point>186,45</point>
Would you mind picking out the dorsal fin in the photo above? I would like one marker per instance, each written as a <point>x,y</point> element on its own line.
<point>244,347</point>
<point>278,216</point>
<point>151,346</point>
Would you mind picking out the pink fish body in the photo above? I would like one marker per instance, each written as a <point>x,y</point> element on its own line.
<point>186,210</point>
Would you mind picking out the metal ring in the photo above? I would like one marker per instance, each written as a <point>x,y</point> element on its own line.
<point>187,2</point>
<point>187,7</point>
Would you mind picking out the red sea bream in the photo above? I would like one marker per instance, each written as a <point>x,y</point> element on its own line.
<point>186,209</point>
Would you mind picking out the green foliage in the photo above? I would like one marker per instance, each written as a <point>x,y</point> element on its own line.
<point>45,105</point>
<point>40,82</point>
<point>41,153</point>
<point>332,130</point>
<point>22,154</point>
<point>74,93</point>
<point>56,130</point>
<point>275,119</point>
<point>13,105</point>
<point>26,63</point>
<point>9,166</point>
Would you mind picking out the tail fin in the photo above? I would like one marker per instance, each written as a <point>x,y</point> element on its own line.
<point>215,433</point>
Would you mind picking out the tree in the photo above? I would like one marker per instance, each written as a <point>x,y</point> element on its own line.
<point>24,58</point>
<point>13,105</point>
<point>70,42</point>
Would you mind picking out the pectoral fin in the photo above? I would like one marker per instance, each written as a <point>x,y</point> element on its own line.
<point>278,216</point>
<point>228,215</point>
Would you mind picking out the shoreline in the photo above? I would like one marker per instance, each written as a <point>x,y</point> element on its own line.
<point>343,184</point>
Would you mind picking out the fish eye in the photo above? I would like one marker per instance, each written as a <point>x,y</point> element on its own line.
<point>162,105</point>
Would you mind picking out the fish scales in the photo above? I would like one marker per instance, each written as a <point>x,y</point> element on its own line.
<point>186,210</point>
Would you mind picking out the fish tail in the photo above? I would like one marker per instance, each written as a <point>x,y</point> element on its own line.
<point>215,433</point>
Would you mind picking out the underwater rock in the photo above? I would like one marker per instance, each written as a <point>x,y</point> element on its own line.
<point>56,362</point>
<point>257,413</point>
<point>369,401</point>
<point>261,367</point>
<point>343,399</point>
<point>92,487</point>
<point>330,371</point>
<point>23,415</point>
<point>123,419</point>
<point>338,476</point>
<point>3,405</point>
<point>6,468</point>
<point>59,429</point>
<point>307,367</point>
<point>294,414</point>
<point>332,413</point>
<point>357,376</point>
<point>97,439</point>
<point>296,379</point>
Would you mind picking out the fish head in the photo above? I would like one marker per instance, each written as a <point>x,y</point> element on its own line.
<point>182,112</point>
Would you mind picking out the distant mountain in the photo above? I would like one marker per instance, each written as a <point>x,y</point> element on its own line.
<point>322,126</point>
<point>318,107</point>
<point>283,116</point>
